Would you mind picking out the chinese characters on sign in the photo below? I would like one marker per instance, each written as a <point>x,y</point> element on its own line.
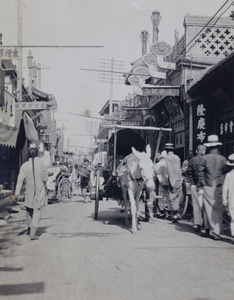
<point>1,87</point>
<point>10,53</point>
<point>201,124</point>
<point>226,127</point>
<point>31,105</point>
<point>132,123</point>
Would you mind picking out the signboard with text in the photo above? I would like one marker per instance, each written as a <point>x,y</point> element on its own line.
<point>1,87</point>
<point>202,122</point>
<point>31,105</point>
<point>162,91</point>
<point>131,123</point>
<point>158,94</point>
<point>10,52</point>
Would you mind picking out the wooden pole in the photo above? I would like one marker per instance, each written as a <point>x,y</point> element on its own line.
<point>137,127</point>
<point>115,145</point>
<point>19,63</point>
<point>158,143</point>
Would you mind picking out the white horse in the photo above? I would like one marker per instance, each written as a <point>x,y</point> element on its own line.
<point>135,171</point>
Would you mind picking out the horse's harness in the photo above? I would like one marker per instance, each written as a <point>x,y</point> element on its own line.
<point>126,165</point>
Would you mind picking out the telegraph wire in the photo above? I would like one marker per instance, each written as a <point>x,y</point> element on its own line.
<point>80,115</point>
<point>206,26</point>
<point>98,118</point>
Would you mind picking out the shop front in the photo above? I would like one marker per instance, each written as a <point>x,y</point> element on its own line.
<point>213,105</point>
<point>168,111</point>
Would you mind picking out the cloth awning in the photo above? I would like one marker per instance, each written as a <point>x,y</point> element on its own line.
<point>30,130</point>
<point>9,134</point>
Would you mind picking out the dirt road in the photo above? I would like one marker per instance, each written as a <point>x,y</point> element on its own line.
<point>77,257</point>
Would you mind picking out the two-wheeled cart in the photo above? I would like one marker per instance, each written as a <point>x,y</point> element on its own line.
<point>120,143</point>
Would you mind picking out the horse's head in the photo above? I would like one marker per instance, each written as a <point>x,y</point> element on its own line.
<point>146,166</point>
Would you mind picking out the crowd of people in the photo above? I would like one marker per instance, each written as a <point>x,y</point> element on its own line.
<point>210,173</point>
<point>212,186</point>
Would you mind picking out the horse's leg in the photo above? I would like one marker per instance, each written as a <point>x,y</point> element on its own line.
<point>133,210</point>
<point>152,198</point>
<point>124,192</point>
<point>137,197</point>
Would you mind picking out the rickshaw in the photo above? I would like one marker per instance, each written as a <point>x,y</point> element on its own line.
<point>120,143</point>
<point>59,186</point>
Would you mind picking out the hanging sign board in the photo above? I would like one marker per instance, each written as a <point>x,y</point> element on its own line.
<point>32,105</point>
<point>10,53</point>
<point>2,74</point>
<point>161,91</point>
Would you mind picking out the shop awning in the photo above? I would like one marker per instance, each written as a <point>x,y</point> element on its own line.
<point>9,134</point>
<point>30,130</point>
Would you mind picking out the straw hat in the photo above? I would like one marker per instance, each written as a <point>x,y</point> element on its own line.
<point>212,141</point>
<point>169,146</point>
<point>33,145</point>
<point>230,161</point>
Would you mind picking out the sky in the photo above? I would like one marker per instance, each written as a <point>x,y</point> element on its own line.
<point>113,24</point>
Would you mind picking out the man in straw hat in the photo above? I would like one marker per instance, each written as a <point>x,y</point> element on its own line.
<point>34,172</point>
<point>228,191</point>
<point>210,183</point>
<point>175,182</point>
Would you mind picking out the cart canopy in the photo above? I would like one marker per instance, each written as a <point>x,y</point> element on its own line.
<point>126,138</point>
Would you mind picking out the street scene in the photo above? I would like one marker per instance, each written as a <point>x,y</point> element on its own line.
<point>116,149</point>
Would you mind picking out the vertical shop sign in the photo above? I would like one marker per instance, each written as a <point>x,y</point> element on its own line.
<point>1,87</point>
<point>226,128</point>
<point>201,123</point>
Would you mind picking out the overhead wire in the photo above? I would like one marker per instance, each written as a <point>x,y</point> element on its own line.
<point>205,26</point>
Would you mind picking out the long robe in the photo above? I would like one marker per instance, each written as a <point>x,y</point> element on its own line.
<point>175,181</point>
<point>228,196</point>
<point>35,197</point>
<point>210,179</point>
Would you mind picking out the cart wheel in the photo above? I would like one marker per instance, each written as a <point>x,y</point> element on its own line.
<point>64,190</point>
<point>97,191</point>
<point>184,201</point>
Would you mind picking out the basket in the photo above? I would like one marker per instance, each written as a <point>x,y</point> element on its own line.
<point>82,171</point>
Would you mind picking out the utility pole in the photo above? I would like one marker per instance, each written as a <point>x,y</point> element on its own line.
<point>111,73</point>
<point>19,62</point>
<point>62,137</point>
<point>111,87</point>
<point>68,142</point>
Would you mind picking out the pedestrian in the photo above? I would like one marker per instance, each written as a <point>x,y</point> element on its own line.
<point>160,169</point>
<point>44,155</point>
<point>228,191</point>
<point>74,179</point>
<point>84,173</point>
<point>192,172</point>
<point>210,183</point>
<point>186,161</point>
<point>175,182</point>
<point>35,174</point>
